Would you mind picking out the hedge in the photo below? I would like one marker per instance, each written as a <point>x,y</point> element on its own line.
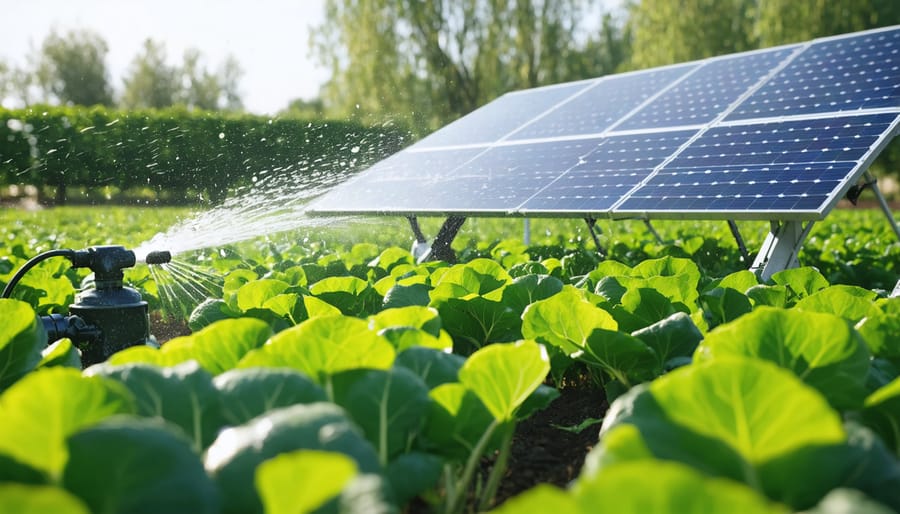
<point>176,151</point>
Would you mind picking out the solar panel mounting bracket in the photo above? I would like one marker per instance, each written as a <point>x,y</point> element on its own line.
<point>439,249</point>
<point>781,248</point>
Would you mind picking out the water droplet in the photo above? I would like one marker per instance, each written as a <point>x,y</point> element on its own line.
<point>355,149</point>
<point>221,135</point>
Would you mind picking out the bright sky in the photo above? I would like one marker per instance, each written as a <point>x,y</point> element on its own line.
<point>270,38</point>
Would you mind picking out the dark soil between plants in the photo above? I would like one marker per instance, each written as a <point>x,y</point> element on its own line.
<point>542,452</point>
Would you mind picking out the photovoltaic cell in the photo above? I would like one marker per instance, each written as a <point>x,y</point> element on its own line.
<point>833,75</point>
<point>597,108</point>
<point>707,92</point>
<point>779,166</point>
<point>772,134</point>
<point>599,179</point>
<point>502,116</point>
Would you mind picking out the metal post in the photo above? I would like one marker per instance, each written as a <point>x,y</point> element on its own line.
<point>440,248</point>
<point>526,232</point>
<point>740,240</point>
<point>653,231</point>
<point>591,222</point>
<point>883,203</point>
<point>420,248</point>
<point>781,247</point>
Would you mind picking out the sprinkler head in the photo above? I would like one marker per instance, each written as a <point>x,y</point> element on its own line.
<point>158,257</point>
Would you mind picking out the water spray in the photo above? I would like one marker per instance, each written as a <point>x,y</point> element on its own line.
<point>106,318</point>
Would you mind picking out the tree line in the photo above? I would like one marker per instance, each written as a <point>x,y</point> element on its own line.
<point>70,69</point>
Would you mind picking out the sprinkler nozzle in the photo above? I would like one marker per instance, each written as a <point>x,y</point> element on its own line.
<point>158,257</point>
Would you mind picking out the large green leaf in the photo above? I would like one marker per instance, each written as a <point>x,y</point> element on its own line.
<point>802,281</point>
<point>352,295</point>
<point>41,410</point>
<point>413,473</point>
<point>250,392</point>
<point>302,481</point>
<point>671,338</point>
<point>822,349</point>
<point>253,295</point>
<point>415,316</point>
<point>321,347</point>
<point>477,320</point>
<point>39,499</point>
<point>504,375</point>
<point>61,353</point>
<point>22,338</point>
<point>881,329</point>
<point>643,306</point>
<point>138,465</point>
<point>217,347</point>
<point>723,304</point>
<point>626,358</point>
<point>648,486</point>
<point>849,302</point>
<point>432,366</point>
<point>233,458</point>
<point>183,395</point>
<point>389,405</point>
<point>456,420</point>
<point>565,320</point>
<point>725,417</point>
<point>528,289</point>
<point>477,277</point>
<point>882,414</point>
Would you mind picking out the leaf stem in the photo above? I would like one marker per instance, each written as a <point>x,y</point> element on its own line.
<point>498,470</point>
<point>454,503</point>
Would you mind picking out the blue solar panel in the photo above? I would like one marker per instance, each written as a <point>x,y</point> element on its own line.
<point>597,108</point>
<point>777,166</point>
<point>617,165</point>
<point>501,116</point>
<point>707,92</point>
<point>833,75</point>
<point>770,134</point>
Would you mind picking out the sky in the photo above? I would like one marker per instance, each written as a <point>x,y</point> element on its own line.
<point>270,38</point>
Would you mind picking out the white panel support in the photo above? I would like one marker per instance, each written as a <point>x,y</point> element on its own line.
<point>781,247</point>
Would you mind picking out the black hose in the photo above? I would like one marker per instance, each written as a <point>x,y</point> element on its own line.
<point>7,291</point>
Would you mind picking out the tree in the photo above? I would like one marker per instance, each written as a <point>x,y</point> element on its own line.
<point>72,68</point>
<point>301,108</point>
<point>789,21</point>
<point>439,59</point>
<point>152,83</point>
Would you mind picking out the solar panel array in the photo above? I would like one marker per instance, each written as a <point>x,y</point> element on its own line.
<point>771,134</point>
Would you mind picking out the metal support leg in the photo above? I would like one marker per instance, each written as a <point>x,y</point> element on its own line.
<point>591,223</point>
<point>883,203</point>
<point>420,247</point>
<point>440,248</point>
<point>653,231</point>
<point>745,255</point>
<point>781,247</point>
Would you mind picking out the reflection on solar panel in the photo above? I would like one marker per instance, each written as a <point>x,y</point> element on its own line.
<point>775,134</point>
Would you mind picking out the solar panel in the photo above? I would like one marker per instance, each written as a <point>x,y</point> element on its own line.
<point>771,134</point>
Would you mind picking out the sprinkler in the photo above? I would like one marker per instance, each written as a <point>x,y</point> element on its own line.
<point>106,318</point>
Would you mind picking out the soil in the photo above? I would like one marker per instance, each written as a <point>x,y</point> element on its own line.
<point>541,453</point>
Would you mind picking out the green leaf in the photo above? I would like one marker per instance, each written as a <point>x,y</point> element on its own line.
<point>138,466</point>
<point>740,281</point>
<point>218,347</point>
<point>625,489</point>
<point>456,421</point>
<point>303,480</point>
<point>727,416</point>
<point>61,353</point>
<point>642,307</point>
<point>417,316</point>
<point>528,289</point>
<point>208,312</point>
<point>400,295</point>
<point>565,320</point>
<point>772,296</point>
<point>352,295</point>
<point>479,277</point>
<point>22,338</point>
<point>233,458</point>
<point>802,281</point>
<point>321,347</point>
<point>626,358</point>
<point>251,392</point>
<point>882,414</point>
<point>881,329</point>
<point>821,349</point>
<point>183,395</point>
<point>675,336</point>
<point>40,411</point>
<point>434,367</point>
<point>39,499</point>
<point>478,321</point>
<point>413,473</point>
<point>389,405</point>
<point>541,498</point>
<point>504,375</point>
<point>849,302</point>
<point>253,295</point>
<point>724,305</point>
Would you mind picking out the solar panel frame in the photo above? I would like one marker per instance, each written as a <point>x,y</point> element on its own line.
<point>625,126</point>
